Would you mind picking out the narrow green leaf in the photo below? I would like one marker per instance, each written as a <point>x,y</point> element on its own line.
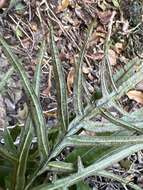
<point>119,122</point>
<point>103,173</point>
<point>99,127</point>
<point>80,164</point>
<point>26,138</point>
<point>116,156</point>
<point>7,155</point>
<point>127,71</point>
<point>35,108</point>
<point>19,177</point>
<point>107,82</point>
<point>37,75</point>
<point>58,166</point>
<point>76,140</point>
<point>77,94</point>
<point>84,141</point>
<point>88,154</point>
<point>9,144</point>
<point>124,88</point>
<point>60,83</point>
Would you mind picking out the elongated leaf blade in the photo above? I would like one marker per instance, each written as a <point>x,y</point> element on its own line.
<point>60,83</point>
<point>19,175</point>
<point>119,122</point>
<point>124,88</point>
<point>77,94</point>
<point>9,144</point>
<point>7,155</point>
<point>116,156</point>
<point>35,108</point>
<point>127,71</point>
<point>18,182</point>
<point>59,166</point>
<point>76,140</point>
<point>37,75</point>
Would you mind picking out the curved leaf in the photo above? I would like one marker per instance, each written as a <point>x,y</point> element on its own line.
<point>60,83</point>
<point>119,122</point>
<point>77,94</point>
<point>124,88</point>
<point>7,155</point>
<point>18,182</point>
<point>35,108</point>
<point>116,156</point>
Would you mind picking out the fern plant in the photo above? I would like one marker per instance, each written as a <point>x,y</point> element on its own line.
<point>31,165</point>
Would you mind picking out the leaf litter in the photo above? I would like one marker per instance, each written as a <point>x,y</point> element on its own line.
<point>24,29</point>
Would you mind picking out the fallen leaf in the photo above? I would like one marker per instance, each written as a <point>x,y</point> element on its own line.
<point>98,56</point>
<point>90,77</point>
<point>70,79</point>
<point>104,16</point>
<point>99,32</point>
<point>85,70</point>
<point>118,47</point>
<point>34,26</point>
<point>64,4</point>
<point>46,92</point>
<point>112,57</point>
<point>136,95</point>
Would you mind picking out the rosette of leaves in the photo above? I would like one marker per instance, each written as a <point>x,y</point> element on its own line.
<point>35,165</point>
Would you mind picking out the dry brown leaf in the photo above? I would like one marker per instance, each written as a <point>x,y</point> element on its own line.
<point>34,26</point>
<point>104,16</point>
<point>112,57</point>
<point>96,35</point>
<point>70,79</point>
<point>98,56</point>
<point>118,47</point>
<point>90,76</point>
<point>85,70</point>
<point>46,92</point>
<point>136,95</point>
<point>64,4</point>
